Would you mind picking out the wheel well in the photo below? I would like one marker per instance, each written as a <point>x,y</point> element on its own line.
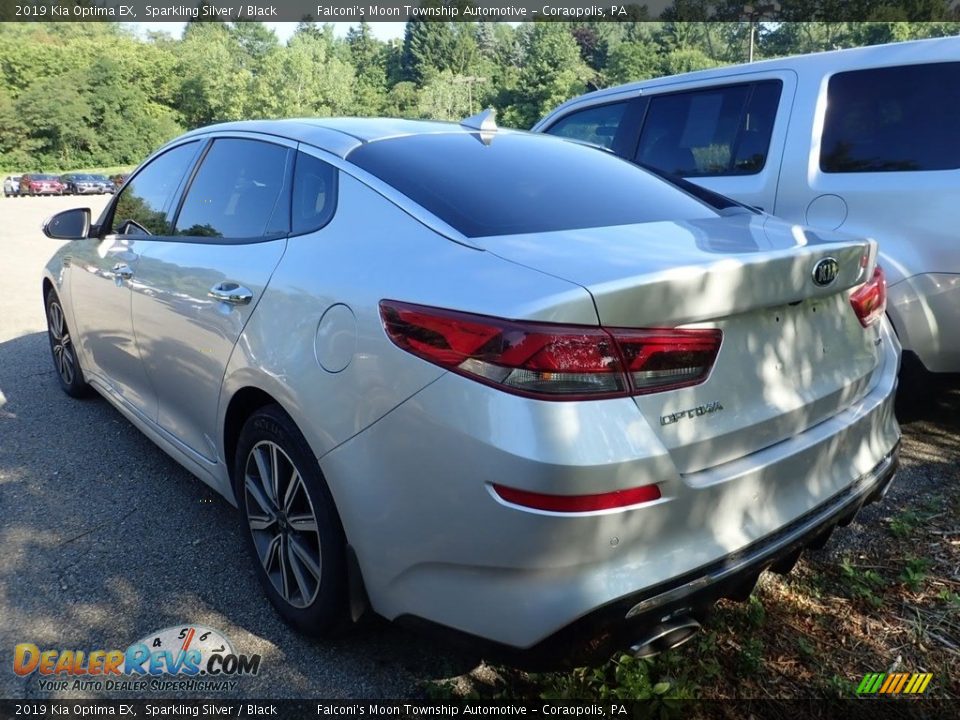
<point>47,287</point>
<point>243,404</point>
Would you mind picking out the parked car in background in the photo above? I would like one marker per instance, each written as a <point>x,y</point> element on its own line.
<point>864,141</point>
<point>40,184</point>
<point>11,185</point>
<point>490,379</point>
<point>84,184</point>
<point>106,184</point>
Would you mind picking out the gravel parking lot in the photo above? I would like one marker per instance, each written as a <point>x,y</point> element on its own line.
<point>105,539</point>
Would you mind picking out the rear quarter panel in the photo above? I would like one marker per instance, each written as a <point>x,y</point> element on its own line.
<point>322,309</point>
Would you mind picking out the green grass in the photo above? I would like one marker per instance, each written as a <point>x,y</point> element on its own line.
<point>114,170</point>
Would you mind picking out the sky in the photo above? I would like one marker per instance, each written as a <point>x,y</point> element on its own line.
<point>382,30</point>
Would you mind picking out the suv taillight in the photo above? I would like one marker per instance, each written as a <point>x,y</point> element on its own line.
<point>870,299</point>
<point>553,362</point>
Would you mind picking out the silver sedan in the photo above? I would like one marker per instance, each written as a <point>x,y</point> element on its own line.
<point>495,381</point>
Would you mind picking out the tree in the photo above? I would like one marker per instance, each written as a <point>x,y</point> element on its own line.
<point>368,57</point>
<point>553,72</point>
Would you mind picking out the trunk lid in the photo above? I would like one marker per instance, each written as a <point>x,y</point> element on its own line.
<point>793,351</point>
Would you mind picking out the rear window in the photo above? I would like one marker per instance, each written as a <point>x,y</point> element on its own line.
<point>520,183</point>
<point>893,119</point>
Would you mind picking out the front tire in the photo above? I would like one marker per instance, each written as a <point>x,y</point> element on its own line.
<point>290,524</point>
<point>65,360</point>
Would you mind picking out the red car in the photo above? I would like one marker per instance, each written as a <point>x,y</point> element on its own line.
<point>38,184</point>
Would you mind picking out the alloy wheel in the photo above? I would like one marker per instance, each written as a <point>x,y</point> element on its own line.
<point>60,341</point>
<point>283,524</point>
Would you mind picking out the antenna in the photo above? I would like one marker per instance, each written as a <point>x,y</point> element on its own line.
<point>484,121</point>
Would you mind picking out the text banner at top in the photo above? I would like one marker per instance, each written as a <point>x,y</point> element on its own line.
<point>474,11</point>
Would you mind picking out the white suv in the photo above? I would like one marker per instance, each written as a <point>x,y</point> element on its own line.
<point>865,141</point>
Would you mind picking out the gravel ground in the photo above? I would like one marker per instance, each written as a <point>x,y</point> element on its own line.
<point>106,539</point>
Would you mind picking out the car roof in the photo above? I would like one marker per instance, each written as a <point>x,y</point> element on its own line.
<point>914,51</point>
<point>337,135</point>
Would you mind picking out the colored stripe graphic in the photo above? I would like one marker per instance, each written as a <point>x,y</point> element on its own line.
<point>867,684</point>
<point>894,683</point>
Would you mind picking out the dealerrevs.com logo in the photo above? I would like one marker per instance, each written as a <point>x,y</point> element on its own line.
<point>179,658</point>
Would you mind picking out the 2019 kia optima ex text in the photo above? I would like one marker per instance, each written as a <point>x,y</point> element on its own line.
<point>496,381</point>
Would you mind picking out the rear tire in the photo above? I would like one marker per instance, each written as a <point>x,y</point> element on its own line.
<point>62,350</point>
<point>290,524</point>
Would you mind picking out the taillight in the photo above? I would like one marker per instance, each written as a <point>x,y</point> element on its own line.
<point>552,362</point>
<point>870,299</point>
<point>658,360</point>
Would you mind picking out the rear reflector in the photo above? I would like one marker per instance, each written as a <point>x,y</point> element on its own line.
<point>578,503</point>
<point>870,299</point>
<point>552,362</point>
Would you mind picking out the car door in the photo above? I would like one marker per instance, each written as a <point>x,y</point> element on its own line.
<point>196,288</point>
<point>101,272</point>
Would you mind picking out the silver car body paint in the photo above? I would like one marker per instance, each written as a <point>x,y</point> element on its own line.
<point>410,451</point>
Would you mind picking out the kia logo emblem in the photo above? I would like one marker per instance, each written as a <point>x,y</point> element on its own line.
<point>826,271</point>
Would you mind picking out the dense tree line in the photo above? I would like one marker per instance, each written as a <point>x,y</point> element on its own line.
<point>95,94</point>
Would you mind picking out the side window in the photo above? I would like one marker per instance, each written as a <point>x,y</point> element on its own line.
<point>241,190</point>
<point>314,194</point>
<point>143,205</point>
<point>596,125</point>
<point>716,131</point>
<point>890,119</point>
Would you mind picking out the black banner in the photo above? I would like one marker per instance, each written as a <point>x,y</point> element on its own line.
<point>860,709</point>
<point>474,10</point>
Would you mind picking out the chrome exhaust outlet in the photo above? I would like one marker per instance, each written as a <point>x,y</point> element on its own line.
<point>665,636</point>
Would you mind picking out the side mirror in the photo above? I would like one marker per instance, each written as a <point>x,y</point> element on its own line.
<point>68,225</point>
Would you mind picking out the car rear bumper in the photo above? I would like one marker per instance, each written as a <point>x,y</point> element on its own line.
<point>433,541</point>
<point>616,625</point>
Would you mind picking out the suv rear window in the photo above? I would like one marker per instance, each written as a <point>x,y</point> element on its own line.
<point>521,183</point>
<point>893,119</point>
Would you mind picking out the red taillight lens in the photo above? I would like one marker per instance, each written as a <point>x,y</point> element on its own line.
<point>658,360</point>
<point>552,362</point>
<point>578,503</point>
<point>870,299</point>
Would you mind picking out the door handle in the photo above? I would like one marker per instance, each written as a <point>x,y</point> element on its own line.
<point>122,271</point>
<point>230,292</point>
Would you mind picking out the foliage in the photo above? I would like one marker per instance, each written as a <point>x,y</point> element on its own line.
<point>96,94</point>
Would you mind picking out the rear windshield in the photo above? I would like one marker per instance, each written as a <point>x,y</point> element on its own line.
<point>522,183</point>
<point>43,177</point>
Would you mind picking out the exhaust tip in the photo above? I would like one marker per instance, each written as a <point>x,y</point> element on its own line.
<point>666,636</point>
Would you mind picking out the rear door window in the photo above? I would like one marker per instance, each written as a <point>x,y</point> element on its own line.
<point>241,191</point>
<point>893,119</point>
<point>710,132</point>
